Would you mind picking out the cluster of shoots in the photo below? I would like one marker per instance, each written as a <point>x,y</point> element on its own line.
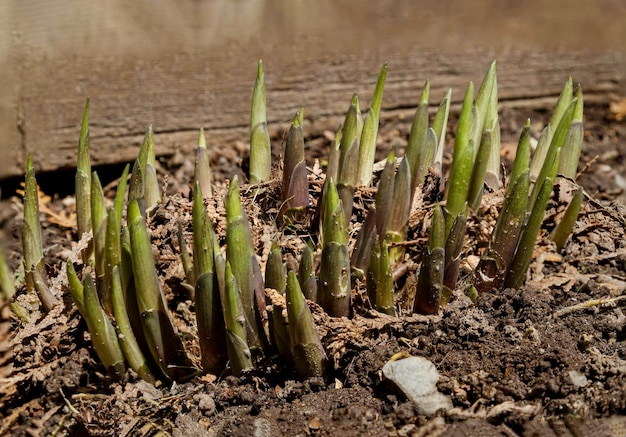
<point>244,313</point>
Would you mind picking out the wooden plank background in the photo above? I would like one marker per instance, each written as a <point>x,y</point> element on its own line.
<point>182,65</point>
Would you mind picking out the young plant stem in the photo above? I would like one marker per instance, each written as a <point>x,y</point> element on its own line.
<point>186,262</point>
<point>553,154</point>
<point>384,283</point>
<point>99,225</point>
<point>76,288</point>
<point>209,315</point>
<point>492,176</point>
<point>202,170</point>
<point>334,154</point>
<point>367,148</point>
<point>462,163</point>
<point>426,159</point>
<point>483,102</point>
<point>360,258</point>
<point>384,194</point>
<point>7,288</point>
<point>113,256</point>
<point>495,262</point>
<point>349,157</point>
<point>373,272</point>
<point>308,354</point>
<point>147,161</point>
<point>523,255</point>
<point>400,209</point>
<point>430,280</point>
<point>103,334</point>
<point>453,248</point>
<point>34,267</point>
<point>83,183</point>
<point>570,154</point>
<point>260,147</point>
<point>295,186</point>
<point>334,282</point>
<point>477,182</point>
<point>245,266</point>
<point>564,228</point>
<point>275,269</point>
<point>163,341</point>
<point>237,345</point>
<point>276,278</point>
<point>440,123</point>
<point>136,187</point>
<point>306,273</point>
<point>539,157</point>
<point>417,137</point>
<point>522,158</point>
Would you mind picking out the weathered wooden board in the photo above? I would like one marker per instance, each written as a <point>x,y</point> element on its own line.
<point>164,65</point>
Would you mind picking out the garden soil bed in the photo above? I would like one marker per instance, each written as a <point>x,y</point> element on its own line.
<point>527,362</point>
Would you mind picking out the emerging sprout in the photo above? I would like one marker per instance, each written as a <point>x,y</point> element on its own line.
<point>384,282</point>
<point>306,273</point>
<point>260,147</point>
<point>209,315</point>
<point>400,209</point>
<point>308,353</point>
<point>334,287</point>
<point>236,340</point>
<point>440,123</point>
<point>245,266</point>
<point>147,162</point>
<point>417,138</point>
<point>564,229</point>
<point>103,334</point>
<point>349,156</point>
<point>83,181</point>
<point>99,223</point>
<point>34,267</point>
<point>367,150</point>
<point>202,170</point>
<point>7,288</point>
<point>295,187</point>
<point>463,160</point>
<point>126,336</point>
<point>384,195</point>
<point>275,269</point>
<point>570,155</point>
<point>539,157</point>
<point>360,259</point>
<point>165,345</point>
<point>430,282</point>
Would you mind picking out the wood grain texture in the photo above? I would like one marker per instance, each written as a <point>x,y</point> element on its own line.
<point>168,67</point>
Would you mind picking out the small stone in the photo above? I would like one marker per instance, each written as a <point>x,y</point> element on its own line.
<point>315,424</point>
<point>577,379</point>
<point>149,391</point>
<point>206,403</point>
<point>262,428</point>
<point>187,426</point>
<point>416,378</point>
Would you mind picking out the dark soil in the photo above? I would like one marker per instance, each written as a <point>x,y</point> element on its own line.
<point>533,362</point>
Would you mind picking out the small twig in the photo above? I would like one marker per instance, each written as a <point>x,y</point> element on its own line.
<point>587,304</point>
<point>408,243</point>
<point>400,271</point>
<point>586,167</point>
<point>604,256</point>
<point>349,370</point>
<point>71,407</point>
